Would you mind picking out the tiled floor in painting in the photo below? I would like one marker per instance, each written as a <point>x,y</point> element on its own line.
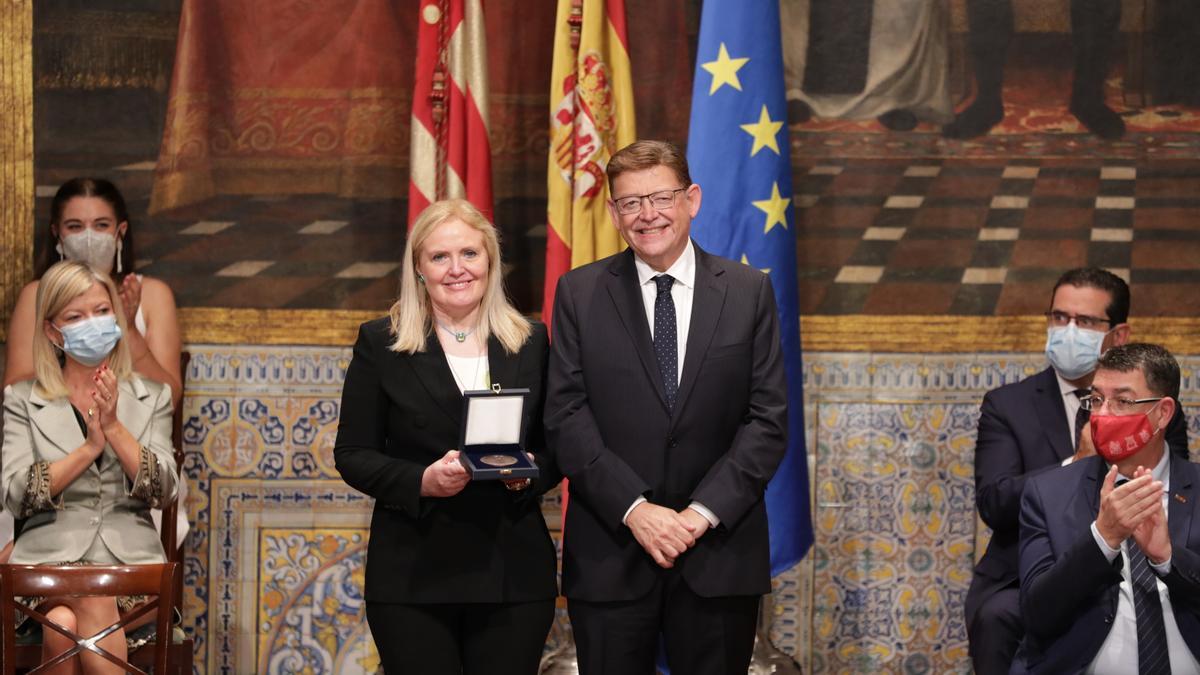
<point>969,236</point>
<point>986,236</point>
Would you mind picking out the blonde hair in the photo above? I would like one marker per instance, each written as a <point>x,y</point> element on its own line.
<point>61,284</point>
<point>412,313</point>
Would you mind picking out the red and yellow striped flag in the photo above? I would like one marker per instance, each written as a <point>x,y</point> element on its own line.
<point>451,154</point>
<point>591,117</point>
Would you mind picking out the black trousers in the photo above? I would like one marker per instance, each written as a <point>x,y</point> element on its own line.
<point>702,636</point>
<point>1094,25</point>
<point>995,631</point>
<point>460,639</point>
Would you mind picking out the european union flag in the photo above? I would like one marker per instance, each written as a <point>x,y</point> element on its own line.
<point>738,154</point>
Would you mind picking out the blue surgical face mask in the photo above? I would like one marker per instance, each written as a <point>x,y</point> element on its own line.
<point>1072,350</point>
<point>91,340</point>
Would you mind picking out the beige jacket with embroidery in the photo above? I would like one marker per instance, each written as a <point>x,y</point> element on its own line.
<point>101,502</point>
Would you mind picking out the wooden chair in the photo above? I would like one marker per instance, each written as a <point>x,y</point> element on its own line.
<point>181,651</point>
<point>47,580</point>
<point>170,514</point>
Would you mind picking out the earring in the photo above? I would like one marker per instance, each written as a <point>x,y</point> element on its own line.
<point>118,255</point>
<point>420,278</point>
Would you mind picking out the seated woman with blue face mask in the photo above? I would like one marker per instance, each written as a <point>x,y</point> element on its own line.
<point>89,223</point>
<point>87,450</point>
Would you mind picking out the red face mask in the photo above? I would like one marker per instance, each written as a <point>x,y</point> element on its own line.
<point>1119,436</point>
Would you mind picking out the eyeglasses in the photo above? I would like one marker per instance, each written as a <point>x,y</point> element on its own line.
<point>1118,405</point>
<point>661,201</point>
<point>1059,319</point>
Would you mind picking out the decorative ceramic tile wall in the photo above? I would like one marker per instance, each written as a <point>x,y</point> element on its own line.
<point>274,564</point>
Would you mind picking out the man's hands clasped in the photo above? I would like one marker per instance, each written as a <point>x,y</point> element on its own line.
<point>665,534</point>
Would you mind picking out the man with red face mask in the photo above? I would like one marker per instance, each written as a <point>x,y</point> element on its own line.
<point>1109,557</point>
<point>1033,426</point>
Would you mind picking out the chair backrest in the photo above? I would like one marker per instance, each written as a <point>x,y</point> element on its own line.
<point>92,580</point>
<point>170,512</point>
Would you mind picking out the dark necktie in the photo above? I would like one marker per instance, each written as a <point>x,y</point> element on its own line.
<point>1151,632</point>
<point>1081,416</point>
<point>666,350</point>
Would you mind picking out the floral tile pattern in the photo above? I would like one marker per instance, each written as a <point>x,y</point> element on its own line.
<point>274,562</point>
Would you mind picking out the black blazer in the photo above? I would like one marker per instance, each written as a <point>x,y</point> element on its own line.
<point>1069,590</point>
<point>1023,431</point>
<point>607,421</point>
<point>400,413</point>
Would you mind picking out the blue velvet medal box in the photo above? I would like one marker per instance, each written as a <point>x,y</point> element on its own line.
<point>492,445</point>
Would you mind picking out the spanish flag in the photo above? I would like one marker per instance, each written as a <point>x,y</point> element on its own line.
<point>591,117</point>
<point>451,153</point>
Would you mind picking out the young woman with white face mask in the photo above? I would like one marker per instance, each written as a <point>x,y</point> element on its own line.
<point>89,223</point>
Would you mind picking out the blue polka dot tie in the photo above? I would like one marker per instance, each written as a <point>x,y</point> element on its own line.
<point>666,349</point>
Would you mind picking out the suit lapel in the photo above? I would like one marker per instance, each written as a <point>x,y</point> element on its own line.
<point>502,366</point>
<point>1181,502</point>
<point>434,374</point>
<point>1053,414</point>
<point>707,301</point>
<point>1094,481</point>
<point>133,406</point>
<point>55,420</point>
<point>627,298</point>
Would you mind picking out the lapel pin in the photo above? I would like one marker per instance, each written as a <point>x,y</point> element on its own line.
<point>1180,498</point>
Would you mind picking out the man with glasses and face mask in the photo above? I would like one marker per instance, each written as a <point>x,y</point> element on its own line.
<point>1109,555</point>
<point>1030,427</point>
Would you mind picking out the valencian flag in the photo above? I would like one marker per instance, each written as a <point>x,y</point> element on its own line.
<point>591,117</point>
<point>451,155</point>
<point>738,154</point>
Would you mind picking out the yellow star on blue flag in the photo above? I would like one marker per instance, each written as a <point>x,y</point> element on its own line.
<point>730,129</point>
<point>775,207</point>
<point>724,70</point>
<point>764,132</point>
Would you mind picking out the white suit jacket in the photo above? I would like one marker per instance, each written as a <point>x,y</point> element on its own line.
<point>98,502</point>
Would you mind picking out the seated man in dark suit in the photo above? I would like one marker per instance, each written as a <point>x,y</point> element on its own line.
<point>1109,557</point>
<point>1032,426</point>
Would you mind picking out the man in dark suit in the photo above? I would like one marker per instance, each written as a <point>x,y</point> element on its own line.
<point>1110,560</point>
<point>1094,25</point>
<point>1030,427</point>
<point>667,403</point>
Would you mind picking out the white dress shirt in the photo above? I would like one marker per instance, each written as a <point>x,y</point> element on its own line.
<point>1119,653</point>
<point>1070,402</point>
<point>1072,405</point>
<point>682,291</point>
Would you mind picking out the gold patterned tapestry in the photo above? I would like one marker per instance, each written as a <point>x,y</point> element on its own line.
<point>287,97</point>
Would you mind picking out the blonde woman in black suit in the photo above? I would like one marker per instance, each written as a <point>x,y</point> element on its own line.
<point>460,575</point>
<point>87,451</point>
